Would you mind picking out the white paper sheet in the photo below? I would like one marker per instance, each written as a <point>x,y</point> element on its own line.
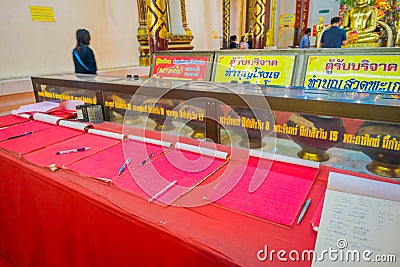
<point>359,223</point>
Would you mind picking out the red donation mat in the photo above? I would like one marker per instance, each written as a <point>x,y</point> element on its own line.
<point>10,120</point>
<point>23,130</point>
<point>48,156</point>
<point>40,139</point>
<point>278,199</point>
<point>107,163</point>
<point>184,167</point>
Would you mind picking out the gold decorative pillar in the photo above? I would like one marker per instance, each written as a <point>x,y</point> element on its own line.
<point>271,30</point>
<point>250,15</point>
<point>260,23</point>
<point>241,19</point>
<point>157,25</point>
<point>144,57</point>
<point>226,17</point>
<point>250,22</point>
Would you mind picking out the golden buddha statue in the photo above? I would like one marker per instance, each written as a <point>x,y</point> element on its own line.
<point>360,23</point>
<point>319,29</point>
<point>397,26</point>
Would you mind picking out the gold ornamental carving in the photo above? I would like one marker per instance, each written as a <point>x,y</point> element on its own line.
<point>271,30</point>
<point>157,19</point>
<point>226,17</point>
<point>259,29</point>
<point>158,24</point>
<point>143,38</point>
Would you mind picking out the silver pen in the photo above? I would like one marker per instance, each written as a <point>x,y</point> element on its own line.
<point>303,210</point>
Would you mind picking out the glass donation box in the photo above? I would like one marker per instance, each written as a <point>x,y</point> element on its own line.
<point>352,130</point>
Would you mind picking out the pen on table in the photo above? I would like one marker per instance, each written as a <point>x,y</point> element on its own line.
<point>124,165</point>
<point>72,150</point>
<point>20,135</point>
<point>146,160</point>
<point>162,191</point>
<point>303,210</point>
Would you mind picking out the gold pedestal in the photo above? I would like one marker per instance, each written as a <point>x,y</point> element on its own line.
<point>361,45</point>
<point>164,127</point>
<point>198,134</point>
<point>252,144</point>
<point>385,158</point>
<point>384,169</point>
<point>144,60</point>
<point>314,156</point>
<point>315,148</point>
<point>132,119</point>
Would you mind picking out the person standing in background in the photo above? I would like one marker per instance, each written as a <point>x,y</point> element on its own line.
<point>243,43</point>
<point>305,41</point>
<point>83,55</point>
<point>233,44</point>
<point>334,37</point>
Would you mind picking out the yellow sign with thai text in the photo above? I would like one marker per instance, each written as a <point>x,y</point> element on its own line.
<point>366,73</point>
<point>267,70</point>
<point>287,20</point>
<point>42,13</point>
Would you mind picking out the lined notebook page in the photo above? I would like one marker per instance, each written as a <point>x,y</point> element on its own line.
<point>359,223</point>
<point>106,163</point>
<point>187,168</point>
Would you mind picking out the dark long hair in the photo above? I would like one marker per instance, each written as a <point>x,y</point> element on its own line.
<point>82,37</point>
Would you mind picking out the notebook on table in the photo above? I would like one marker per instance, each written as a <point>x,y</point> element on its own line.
<point>360,221</point>
<point>107,163</point>
<point>175,174</point>
<point>283,189</point>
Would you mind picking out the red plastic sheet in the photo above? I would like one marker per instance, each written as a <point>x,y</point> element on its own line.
<point>100,165</point>
<point>129,184</point>
<point>187,168</point>
<point>10,120</point>
<point>279,198</point>
<point>21,128</point>
<point>48,156</point>
<point>317,215</point>
<point>40,139</point>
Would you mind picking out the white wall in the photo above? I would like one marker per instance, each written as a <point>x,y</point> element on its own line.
<point>203,17</point>
<point>316,6</point>
<point>175,17</point>
<point>36,48</point>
